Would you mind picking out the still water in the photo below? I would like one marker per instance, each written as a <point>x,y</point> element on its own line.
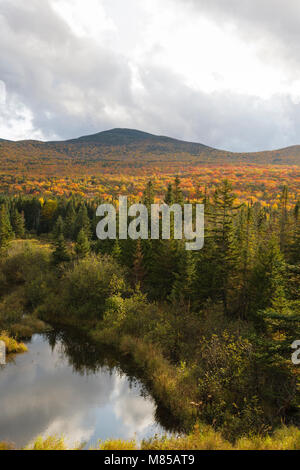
<point>65,386</point>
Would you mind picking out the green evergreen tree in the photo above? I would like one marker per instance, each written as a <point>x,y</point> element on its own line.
<point>18,223</point>
<point>246,251</point>
<point>148,196</point>
<point>82,246</point>
<point>222,230</point>
<point>82,221</point>
<point>295,243</point>
<point>284,230</point>
<point>169,198</point>
<point>6,232</point>
<point>138,271</point>
<point>178,196</point>
<point>61,254</point>
<point>70,219</point>
<point>163,268</point>
<point>59,227</point>
<point>183,286</point>
<point>116,251</point>
<point>269,278</point>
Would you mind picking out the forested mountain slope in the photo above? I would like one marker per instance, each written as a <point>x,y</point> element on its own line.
<point>128,145</point>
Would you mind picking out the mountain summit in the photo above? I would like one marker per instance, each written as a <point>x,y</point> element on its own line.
<point>130,145</point>
<point>122,136</point>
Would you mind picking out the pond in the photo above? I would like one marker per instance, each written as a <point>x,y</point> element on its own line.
<point>66,386</point>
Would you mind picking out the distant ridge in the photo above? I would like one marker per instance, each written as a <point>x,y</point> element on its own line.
<point>133,145</point>
<point>121,136</point>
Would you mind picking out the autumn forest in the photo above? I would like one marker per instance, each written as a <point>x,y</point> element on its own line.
<point>207,333</point>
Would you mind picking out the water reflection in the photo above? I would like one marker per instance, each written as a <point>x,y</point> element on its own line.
<point>66,386</point>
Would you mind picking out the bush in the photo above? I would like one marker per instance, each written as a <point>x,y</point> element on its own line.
<point>25,261</point>
<point>117,444</point>
<point>49,443</point>
<point>12,346</point>
<point>87,286</point>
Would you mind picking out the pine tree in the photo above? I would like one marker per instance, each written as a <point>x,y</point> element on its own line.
<point>295,243</point>
<point>269,278</point>
<point>70,221</point>
<point>225,256</point>
<point>138,268</point>
<point>18,223</point>
<point>82,221</point>
<point>183,286</point>
<point>58,227</point>
<point>60,254</point>
<point>178,196</point>
<point>163,267</point>
<point>207,284</point>
<point>128,248</point>
<point>148,197</point>
<point>116,251</point>
<point>82,246</point>
<point>169,198</point>
<point>246,243</point>
<point>6,232</point>
<point>284,220</point>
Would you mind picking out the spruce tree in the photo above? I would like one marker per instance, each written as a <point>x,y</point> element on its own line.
<point>148,196</point>
<point>164,267</point>
<point>70,221</point>
<point>138,271</point>
<point>116,251</point>
<point>82,221</point>
<point>246,250</point>
<point>18,223</point>
<point>82,246</point>
<point>60,254</point>
<point>6,232</point>
<point>294,254</point>
<point>284,231</point>
<point>58,227</point>
<point>222,230</point>
<point>169,198</point>
<point>178,196</point>
<point>269,277</point>
<point>183,285</point>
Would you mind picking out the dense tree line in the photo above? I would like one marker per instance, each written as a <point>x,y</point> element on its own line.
<point>250,261</point>
<point>225,315</point>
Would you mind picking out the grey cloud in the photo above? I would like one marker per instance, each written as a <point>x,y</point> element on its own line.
<point>224,119</point>
<point>272,23</point>
<point>72,86</point>
<point>69,84</point>
<point>33,19</point>
<point>41,394</point>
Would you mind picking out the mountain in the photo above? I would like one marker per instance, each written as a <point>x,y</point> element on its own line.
<point>127,147</point>
<point>135,139</point>
<point>124,137</point>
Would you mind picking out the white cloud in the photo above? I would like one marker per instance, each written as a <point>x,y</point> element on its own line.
<point>41,395</point>
<point>86,19</point>
<point>135,413</point>
<point>221,72</point>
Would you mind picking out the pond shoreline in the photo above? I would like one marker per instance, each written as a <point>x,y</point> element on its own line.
<point>67,386</point>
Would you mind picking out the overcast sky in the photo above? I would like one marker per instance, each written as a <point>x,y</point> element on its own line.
<point>222,72</point>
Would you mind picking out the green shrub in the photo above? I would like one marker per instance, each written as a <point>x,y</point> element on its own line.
<point>87,285</point>
<point>12,346</point>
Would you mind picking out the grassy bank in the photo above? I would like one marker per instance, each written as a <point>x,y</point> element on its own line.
<point>202,438</point>
<point>173,389</point>
<point>12,346</point>
<point>203,366</point>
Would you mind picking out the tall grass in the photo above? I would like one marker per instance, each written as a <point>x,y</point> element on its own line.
<point>175,391</point>
<point>202,438</point>
<point>12,346</point>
